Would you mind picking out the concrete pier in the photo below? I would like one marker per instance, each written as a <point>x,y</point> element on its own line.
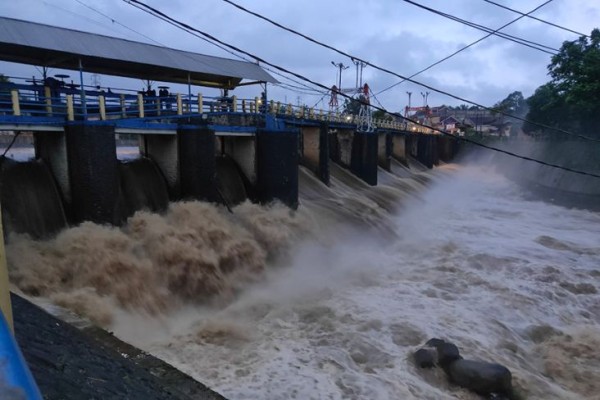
<point>446,148</point>
<point>364,156</point>
<point>197,163</point>
<point>93,173</point>
<point>426,150</point>
<point>277,159</point>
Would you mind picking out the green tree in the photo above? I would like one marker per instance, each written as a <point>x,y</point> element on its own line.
<point>571,100</point>
<point>382,115</point>
<point>514,104</point>
<point>351,106</point>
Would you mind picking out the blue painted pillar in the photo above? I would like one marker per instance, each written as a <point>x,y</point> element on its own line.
<point>93,173</point>
<point>363,161</point>
<point>446,148</point>
<point>425,150</point>
<point>277,156</point>
<point>435,152</point>
<point>323,172</point>
<point>197,163</point>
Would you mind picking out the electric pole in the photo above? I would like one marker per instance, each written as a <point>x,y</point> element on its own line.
<point>425,96</point>
<point>341,68</point>
<point>359,67</point>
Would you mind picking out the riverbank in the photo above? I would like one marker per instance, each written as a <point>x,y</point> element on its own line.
<point>68,363</point>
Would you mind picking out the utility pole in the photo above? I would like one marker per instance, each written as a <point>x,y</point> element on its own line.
<point>359,67</point>
<point>425,96</point>
<point>341,68</point>
<point>408,108</point>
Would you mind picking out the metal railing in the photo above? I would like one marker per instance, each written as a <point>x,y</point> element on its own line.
<point>70,104</point>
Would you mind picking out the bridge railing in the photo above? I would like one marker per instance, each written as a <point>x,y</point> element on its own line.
<point>71,103</point>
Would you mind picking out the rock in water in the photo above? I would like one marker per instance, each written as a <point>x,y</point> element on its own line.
<point>481,377</point>
<point>447,354</point>
<point>425,358</point>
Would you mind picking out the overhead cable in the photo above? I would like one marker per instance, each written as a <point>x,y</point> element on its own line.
<point>159,14</point>
<point>461,50</point>
<point>524,42</point>
<point>535,18</point>
<point>409,79</point>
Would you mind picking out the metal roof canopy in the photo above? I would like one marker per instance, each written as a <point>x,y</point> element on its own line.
<point>45,45</point>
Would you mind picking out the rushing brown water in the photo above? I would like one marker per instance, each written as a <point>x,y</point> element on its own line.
<point>329,302</point>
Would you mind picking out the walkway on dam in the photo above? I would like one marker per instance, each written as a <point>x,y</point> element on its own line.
<point>92,364</point>
<point>49,105</point>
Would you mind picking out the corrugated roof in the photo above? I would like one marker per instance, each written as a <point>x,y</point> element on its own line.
<point>45,45</point>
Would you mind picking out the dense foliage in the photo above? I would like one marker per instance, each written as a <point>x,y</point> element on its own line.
<point>571,100</point>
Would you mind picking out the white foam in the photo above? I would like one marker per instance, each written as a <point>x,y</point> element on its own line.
<point>475,263</point>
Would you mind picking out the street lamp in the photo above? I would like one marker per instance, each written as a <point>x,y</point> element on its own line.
<point>341,68</point>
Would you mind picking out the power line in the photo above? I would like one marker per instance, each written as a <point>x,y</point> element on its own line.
<point>537,19</point>
<point>409,79</point>
<point>158,14</point>
<point>461,50</point>
<point>114,21</point>
<point>524,42</point>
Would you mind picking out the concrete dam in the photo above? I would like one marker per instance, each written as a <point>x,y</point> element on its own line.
<point>195,246</point>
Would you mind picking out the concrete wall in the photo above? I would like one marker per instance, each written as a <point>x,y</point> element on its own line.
<point>162,149</point>
<point>243,150</point>
<point>311,147</point>
<point>344,139</point>
<point>315,150</point>
<point>399,148</point>
<point>384,150</point>
<point>52,148</point>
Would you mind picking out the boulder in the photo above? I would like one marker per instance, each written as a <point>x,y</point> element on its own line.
<point>425,358</point>
<point>481,377</point>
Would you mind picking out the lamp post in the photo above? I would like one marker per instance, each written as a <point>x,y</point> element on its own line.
<point>341,67</point>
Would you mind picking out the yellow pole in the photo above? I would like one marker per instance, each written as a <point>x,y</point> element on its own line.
<point>200,103</point>
<point>70,109</point>
<point>4,292</point>
<point>123,108</point>
<point>179,104</point>
<point>15,102</point>
<point>234,108</point>
<point>102,105</point>
<point>140,105</point>
<point>48,94</point>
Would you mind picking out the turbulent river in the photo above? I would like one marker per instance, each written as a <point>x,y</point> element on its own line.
<point>329,302</point>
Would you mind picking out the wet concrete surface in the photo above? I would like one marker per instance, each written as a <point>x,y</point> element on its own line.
<point>68,363</point>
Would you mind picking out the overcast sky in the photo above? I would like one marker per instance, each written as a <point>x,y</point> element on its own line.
<point>390,33</point>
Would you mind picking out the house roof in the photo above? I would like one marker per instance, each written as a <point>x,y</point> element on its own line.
<point>46,45</point>
<point>450,120</point>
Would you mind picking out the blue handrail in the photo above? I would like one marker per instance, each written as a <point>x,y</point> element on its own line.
<point>13,369</point>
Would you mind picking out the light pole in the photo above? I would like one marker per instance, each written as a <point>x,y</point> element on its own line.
<point>359,67</point>
<point>341,68</point>
<point>425,96</point>
<point>408,108</point>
